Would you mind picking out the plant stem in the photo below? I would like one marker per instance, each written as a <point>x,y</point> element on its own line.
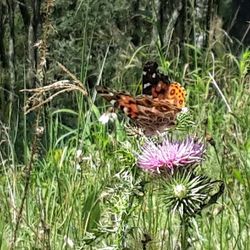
<point>184,231</point>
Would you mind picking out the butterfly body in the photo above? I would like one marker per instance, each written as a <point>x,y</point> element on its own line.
<point>157,108</point>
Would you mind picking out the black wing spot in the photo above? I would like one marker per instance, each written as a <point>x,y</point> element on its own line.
<point>172,92</point>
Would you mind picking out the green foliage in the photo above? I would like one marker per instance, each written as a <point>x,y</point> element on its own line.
<point>85,185</point>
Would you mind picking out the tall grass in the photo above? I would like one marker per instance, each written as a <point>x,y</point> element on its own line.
<point>85,189</point>
<point>85,185</point>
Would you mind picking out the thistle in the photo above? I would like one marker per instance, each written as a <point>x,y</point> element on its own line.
<point>183,191</point>
<point>170,155</point>
<point>188,193</point>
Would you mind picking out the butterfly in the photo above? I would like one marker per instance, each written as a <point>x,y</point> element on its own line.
<point>157,108</point>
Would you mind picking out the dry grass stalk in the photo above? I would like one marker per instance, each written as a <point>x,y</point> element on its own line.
<point>39,98</point>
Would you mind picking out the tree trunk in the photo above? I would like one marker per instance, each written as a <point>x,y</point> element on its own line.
<point>3,58</point>
<point>30,11</point>
<point>12,66</point>
<point>136,23</point>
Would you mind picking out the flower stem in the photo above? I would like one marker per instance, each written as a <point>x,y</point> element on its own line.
<point>184,231</point>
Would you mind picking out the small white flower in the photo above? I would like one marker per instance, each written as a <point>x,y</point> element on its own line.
<point>105,117</point>
<point>78,167</point>
<point>39,131</point>
<point>184,110</point>
<point>68,242</point>
<point>78,153</point>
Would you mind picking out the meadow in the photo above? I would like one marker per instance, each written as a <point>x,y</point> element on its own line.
<point>70,182</point>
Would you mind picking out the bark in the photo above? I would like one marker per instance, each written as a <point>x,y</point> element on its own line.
<point>172,22</point>
<point>181,26</point>
<point>12,66</point>
<point>27,13</point>
<point>163,17</point>
<point>166,16</point>
<point>3,58</point>
<point>136,23</point>
<point>30,11</point>
<point>24,13</point>
<point>208,22</point>
<point>155,30</point>
<point>31,53</point>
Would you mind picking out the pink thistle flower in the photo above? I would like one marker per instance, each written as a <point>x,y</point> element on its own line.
<point>170,155</point>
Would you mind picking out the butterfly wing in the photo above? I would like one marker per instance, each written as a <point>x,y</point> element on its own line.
<point>151,114</point>
<point>159,86</point>
<point>155,115</point>
<point>120,100</point>
<point>151,77</point>
<point>159,105</point>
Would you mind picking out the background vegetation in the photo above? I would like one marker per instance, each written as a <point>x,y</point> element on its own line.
<point>69,182</point>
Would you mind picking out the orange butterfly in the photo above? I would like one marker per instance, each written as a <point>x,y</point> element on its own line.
<point>157,108</point>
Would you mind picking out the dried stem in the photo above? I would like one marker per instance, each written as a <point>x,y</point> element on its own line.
<point>220,93</point>
<point>37,99</point>
<point>27,181</point>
